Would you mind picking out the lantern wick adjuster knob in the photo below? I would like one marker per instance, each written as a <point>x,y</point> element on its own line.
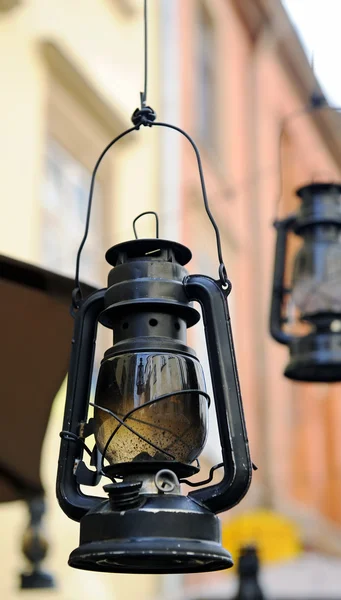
<point>123,496</point>
<point>145,115</point>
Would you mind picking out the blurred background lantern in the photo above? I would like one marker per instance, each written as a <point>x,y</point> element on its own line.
<point>314,296</point>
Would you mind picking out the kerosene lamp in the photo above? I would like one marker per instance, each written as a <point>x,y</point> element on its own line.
<point>151,408</point>
<point>150,418</point>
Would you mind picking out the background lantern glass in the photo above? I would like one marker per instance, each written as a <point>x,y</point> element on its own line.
<point>317,273</point>
<point>173,428</point>
<point>315,293</point>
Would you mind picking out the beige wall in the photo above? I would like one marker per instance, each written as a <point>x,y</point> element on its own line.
<point>94,50</point>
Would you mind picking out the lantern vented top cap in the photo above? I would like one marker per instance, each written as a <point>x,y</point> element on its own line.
<point>151,248</point>
<point>320,205</point>
<point>318,188</point>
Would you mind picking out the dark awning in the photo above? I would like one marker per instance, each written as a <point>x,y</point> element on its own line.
<point>36,331</point>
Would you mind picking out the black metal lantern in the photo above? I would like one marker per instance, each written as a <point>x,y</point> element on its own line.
<point>151,408</point>
<point>314,296</point>
<point>150,418</point>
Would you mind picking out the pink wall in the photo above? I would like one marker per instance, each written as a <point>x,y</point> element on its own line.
<point>292,427</point>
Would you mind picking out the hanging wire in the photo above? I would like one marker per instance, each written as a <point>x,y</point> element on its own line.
<point>143,94</point>
<point>146,116</point>
<point>317,102</point>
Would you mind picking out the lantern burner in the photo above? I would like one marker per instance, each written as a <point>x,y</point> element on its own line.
<point>147,526</point>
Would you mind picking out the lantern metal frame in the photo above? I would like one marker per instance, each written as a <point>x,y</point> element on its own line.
<point>196,533</point>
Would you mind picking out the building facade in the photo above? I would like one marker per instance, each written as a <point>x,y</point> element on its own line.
<point>235,99</point>
<point>228,72</point>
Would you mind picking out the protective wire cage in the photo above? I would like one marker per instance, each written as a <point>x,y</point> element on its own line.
<point>169,427</point>
<point>133,422</point>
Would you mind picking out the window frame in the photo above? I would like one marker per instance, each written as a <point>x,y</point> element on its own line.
<point>77,132</point>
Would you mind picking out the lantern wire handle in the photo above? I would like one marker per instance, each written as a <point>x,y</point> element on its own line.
<point>147,212</point>
<point>146,116</point>
<point>77,295</point>
<point>224,280</point>
<point>317,102</point>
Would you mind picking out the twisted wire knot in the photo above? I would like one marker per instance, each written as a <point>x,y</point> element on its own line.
<point>143,116</point>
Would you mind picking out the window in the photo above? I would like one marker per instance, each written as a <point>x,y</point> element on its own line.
<point>66,185</point>
<point>205,68</point>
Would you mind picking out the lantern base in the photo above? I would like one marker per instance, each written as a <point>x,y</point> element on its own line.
<point>316,358</point>
<point>167,534</point>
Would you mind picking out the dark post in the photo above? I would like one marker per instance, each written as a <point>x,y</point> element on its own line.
<point>248,569</point>
<point>34,547</point>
